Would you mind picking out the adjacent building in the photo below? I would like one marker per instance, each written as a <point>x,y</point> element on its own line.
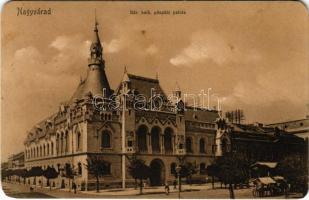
<point>16,161</point>
<point>298,127</point>
<point>258,142</point>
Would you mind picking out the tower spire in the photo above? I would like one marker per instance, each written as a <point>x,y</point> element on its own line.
<point>95,21</point>
<point>96,81</point>
<point>96,49</point>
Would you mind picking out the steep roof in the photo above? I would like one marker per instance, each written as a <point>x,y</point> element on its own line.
<point>199,114</point>
<point>41,129</point>
<point>142,85</point>
<point>94,83</point>
<point>96,79</point>
<point>246,131</point>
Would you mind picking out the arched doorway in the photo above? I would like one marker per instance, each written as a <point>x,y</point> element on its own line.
<point>157,176</point>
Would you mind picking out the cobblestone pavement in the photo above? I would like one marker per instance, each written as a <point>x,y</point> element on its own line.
<point>195,191</point>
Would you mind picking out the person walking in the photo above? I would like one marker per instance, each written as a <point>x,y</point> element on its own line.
<point>175,184</point>
<point>167,189</point>
<point>74,187</point>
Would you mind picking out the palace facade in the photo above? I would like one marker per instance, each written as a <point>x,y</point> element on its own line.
<point>116,124</point>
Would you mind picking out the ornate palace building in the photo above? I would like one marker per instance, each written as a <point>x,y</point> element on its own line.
<point>136,118</point>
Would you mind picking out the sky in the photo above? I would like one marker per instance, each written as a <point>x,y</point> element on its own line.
<point>254,56</point>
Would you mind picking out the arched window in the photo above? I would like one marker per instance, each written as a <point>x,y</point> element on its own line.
<point>79,170</point>
<point>40,151</point>
<point>202,145</point>
<point>202,168</point>
<point>52,148</point>
<point>189,145</point>
<point>47,149</point>
<point>173,168</point>
<point>168,134</point>
<point>61,143</point>
<point>66,142</point>
<point>106,139</point>
<point>44,148</point>
<point>142,138</point>
<point>37,151</point>
<point>78,141</point>
<point>155,139</point>
<point>57,144</point>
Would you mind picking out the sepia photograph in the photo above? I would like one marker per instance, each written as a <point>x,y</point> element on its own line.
<point>154,99</point>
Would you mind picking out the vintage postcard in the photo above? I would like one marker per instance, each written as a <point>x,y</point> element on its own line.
<point>158,99</point>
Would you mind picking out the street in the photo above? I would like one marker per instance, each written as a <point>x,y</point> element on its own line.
<point>196,192</point>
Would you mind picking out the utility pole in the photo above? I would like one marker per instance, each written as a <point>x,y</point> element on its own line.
<point>123,136</point>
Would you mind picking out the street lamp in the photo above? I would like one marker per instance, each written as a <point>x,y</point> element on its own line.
<point>178,168</point>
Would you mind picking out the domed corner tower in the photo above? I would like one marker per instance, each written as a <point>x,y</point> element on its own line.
<point>96,82</point>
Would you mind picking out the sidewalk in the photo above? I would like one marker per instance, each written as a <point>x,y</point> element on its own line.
<point>104,193</point>
<point>146,190</point>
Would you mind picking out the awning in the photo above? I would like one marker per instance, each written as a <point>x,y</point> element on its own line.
<point>266,180</point>
<point>278,178</point>
<point>265,164</point>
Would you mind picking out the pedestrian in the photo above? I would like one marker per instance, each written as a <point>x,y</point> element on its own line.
<point>287,190</point>
<point>167,189</point>
<point>74,187</point>
<point>175,184</point>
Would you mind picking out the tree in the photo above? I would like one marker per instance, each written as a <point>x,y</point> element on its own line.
<point>69,173</point>
<point>294,170</point>
<point>186,171</point>
<point>21,173</point>
<point>139,170</point>
<point>9,173</point>
<point>50,173</point>
<point>35,171</point>
<point>232,169</point>
<point>213,171</point>
<point>4,174</point>
<point>98,167</point>
<point>15,172</point>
